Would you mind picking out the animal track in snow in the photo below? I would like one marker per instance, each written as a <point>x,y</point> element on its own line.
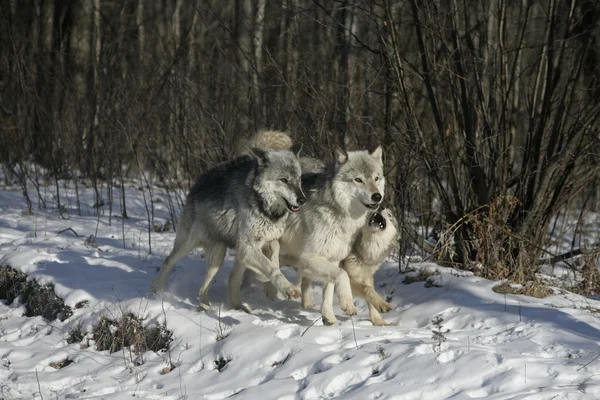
<point>288,332</point>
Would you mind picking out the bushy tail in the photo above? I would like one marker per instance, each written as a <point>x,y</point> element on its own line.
<point>264,140</point>
<point>311,165</point>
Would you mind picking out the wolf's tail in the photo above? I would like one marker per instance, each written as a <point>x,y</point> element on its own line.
<point>264,140</point>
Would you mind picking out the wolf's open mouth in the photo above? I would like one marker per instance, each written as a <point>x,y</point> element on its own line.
<point>291,207</point>
<point>372,206</point>
<point>377,220</point>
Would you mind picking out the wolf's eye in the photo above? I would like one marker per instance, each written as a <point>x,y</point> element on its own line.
<point>358,180</point>
<point>284,180</point>
<point>376,178</point>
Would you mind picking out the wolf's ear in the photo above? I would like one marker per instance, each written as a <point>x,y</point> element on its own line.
<point>260,155</point>
<point>340,155</point>
<point>296,149</point>
<point>377,154</point>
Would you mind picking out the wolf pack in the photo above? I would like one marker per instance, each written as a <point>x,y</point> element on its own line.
<point>276,208</point>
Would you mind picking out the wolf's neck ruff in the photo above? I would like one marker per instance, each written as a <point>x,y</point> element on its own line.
<point>270,209</point>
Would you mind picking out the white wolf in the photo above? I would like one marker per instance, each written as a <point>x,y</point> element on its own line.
<point>242,204</point>
<point>374,242</point>
<point>319,237</point>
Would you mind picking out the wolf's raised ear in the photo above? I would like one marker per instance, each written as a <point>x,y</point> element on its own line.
<point>377,154</point>
<point>296,149</point>
<point>340,155</point>
<point>260,155</point>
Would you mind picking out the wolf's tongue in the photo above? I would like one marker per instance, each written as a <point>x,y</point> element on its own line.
<point>294,208</point>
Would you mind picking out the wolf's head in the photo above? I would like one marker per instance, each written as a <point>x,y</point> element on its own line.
<point>383,224</point>
<point>278,181</point>
<point>359,182</point>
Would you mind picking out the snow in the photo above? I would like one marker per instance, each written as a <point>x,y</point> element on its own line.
<point>498,347</point>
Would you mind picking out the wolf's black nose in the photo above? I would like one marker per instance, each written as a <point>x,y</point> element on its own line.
<point>376,197</point>
<point>301,201</point>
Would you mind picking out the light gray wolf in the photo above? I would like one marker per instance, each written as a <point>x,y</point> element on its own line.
<point>375,240</point>
<point>241,204</point>
<point>319,237</point>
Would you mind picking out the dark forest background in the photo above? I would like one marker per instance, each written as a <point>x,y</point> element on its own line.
<point>487,109</point>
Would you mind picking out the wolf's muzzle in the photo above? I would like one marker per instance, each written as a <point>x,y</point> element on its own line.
<point>378,220</point>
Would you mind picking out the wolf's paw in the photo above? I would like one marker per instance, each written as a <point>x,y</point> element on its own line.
<point>307,303</point>
<point>270,291</point>
<point>350,310</point>
<point>203,307</point>
<point>383,306</point>
<point>292,292</point>
<point>347,306</point>
<point>158,286</point>
<point>244,307</point>
<point>378,321</point>
<point>329,320</point>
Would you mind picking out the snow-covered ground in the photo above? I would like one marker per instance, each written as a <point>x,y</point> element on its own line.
<point>498,347</point>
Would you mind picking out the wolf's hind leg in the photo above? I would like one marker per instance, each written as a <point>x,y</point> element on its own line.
<point>214,256</point>
<point>184,244</point>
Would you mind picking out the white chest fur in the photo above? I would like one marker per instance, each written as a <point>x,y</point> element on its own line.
<point>320,231</point>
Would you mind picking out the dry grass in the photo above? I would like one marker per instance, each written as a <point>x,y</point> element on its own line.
<point>75,335</point>
<point>535,288</point>
<point>39,300</point>
<point>421,276</point>
<point>129,332</point>
<point>61,364</point>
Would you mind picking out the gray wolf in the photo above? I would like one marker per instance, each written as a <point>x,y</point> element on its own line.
<point>373,244</point>
<point>319,237</point>
<point>241,204</point>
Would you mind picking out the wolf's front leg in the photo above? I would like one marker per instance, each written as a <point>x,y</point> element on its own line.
<point>305,286</point>
<point>327,306</point>
<point>252,257</point>
<point>318,267</point>
<point>271,251</point>
<point>233,287</point>
<point>344,292</point>
<point>366,291</point>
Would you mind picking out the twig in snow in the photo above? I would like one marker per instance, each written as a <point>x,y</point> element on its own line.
<point>306,330</point>
<point>68,229</point>
<point>594,359</point>
<point>354,333</point>
<point>39,386</point>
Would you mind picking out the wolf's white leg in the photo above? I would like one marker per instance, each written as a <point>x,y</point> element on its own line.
<point>184,244</point>
<point>252,257</point>
<point>305,285</point>
<point>342,285</point>
<point>271,251</point>
<point>376,318</point>
<point>214,256</point>
<point>327,305</point>
<point>318,267</point>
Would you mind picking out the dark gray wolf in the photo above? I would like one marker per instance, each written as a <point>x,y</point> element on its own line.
<point>241,204</point>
